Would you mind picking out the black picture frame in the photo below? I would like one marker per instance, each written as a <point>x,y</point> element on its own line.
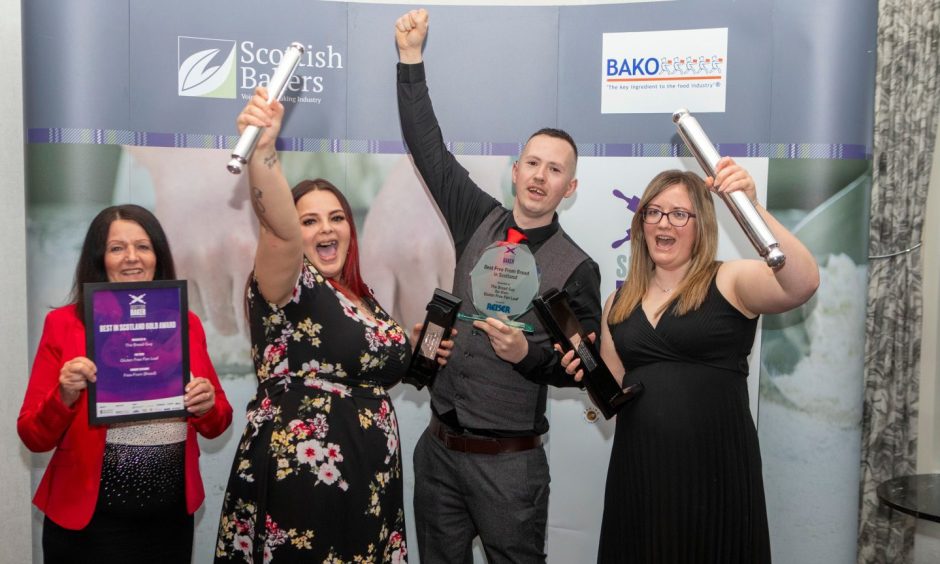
<point>140,349</point>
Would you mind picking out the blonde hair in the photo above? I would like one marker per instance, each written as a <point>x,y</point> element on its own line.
<point>691,292</point>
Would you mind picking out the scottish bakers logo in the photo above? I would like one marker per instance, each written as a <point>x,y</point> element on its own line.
<point>138,307</point>
<point>660,71</point>
<point>206,67</point>
<point>226,68</point>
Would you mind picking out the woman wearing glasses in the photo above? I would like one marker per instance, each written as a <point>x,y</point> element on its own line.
<point>684,482</point>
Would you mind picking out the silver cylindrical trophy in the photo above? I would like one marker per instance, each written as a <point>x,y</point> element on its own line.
<point>276,87</point>
<point>740,205</point>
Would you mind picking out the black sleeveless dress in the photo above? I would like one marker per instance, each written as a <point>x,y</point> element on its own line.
<point>317,476</point>
<point>684,483</point>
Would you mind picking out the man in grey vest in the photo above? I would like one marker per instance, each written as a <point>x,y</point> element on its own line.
<point>480,467</point>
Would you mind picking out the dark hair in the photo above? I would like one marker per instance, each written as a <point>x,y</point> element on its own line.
<point>557,134</point>
<point>90,267</point>
<point>351,277</point>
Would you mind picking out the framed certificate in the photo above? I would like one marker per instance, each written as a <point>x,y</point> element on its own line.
<point>137,334</point>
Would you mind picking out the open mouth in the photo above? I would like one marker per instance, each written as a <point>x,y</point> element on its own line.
<point>326,250</point>
<point>132,272</point>
<point>537,192</point>
<point>665,242</point>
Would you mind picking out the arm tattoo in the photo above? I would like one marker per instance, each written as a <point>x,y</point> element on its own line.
<point>271,160</point>
<point>256,200</point>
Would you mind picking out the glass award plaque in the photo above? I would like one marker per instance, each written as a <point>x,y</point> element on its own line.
<point>562,324</point>
<point>442,313</point>
<point>503,284</point>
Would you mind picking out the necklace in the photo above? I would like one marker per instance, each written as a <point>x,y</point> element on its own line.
<point>658,285</point>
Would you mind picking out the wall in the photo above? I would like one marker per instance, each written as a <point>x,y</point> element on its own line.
<point>927,541</point>
<point>14,487</point>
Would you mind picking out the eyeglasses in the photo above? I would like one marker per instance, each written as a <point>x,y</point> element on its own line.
<point>678,218</point>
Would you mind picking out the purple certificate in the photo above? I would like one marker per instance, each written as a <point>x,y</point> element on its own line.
<point>137,334</point>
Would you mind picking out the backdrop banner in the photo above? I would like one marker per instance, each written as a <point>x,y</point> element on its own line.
<point>132,101</point>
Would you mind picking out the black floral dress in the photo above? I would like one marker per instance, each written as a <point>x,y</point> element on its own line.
<point>317,474</point>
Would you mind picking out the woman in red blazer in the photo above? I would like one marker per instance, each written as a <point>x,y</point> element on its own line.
<point>123,492</point>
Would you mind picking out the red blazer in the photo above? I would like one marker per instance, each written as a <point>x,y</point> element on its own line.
<point>69,488</point>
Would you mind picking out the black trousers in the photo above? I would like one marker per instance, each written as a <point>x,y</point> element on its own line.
<point>502,498</point>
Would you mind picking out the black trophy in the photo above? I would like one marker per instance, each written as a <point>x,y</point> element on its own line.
<point>563,326</point>
<point>442,312</point>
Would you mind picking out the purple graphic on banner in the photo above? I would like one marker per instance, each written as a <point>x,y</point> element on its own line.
<point>633,202</point>
<point>138,344</point>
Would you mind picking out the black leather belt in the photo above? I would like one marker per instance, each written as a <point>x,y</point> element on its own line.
<point>481,445</point>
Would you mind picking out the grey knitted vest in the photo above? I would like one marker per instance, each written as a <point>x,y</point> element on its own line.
<point>485,390</point>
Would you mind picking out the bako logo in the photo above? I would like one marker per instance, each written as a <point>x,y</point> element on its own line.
<point>659,71</point>
<point>632,67</point>
<point>206,67</point>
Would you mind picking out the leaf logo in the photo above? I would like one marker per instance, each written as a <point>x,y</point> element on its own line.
<point>200,74</point>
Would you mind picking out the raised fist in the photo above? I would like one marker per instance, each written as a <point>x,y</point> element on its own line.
<point>410,32</point>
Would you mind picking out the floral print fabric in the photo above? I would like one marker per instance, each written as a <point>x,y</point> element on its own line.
<point>317,474</point>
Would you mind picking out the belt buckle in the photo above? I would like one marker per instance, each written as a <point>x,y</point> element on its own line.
<point>454,441</point>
